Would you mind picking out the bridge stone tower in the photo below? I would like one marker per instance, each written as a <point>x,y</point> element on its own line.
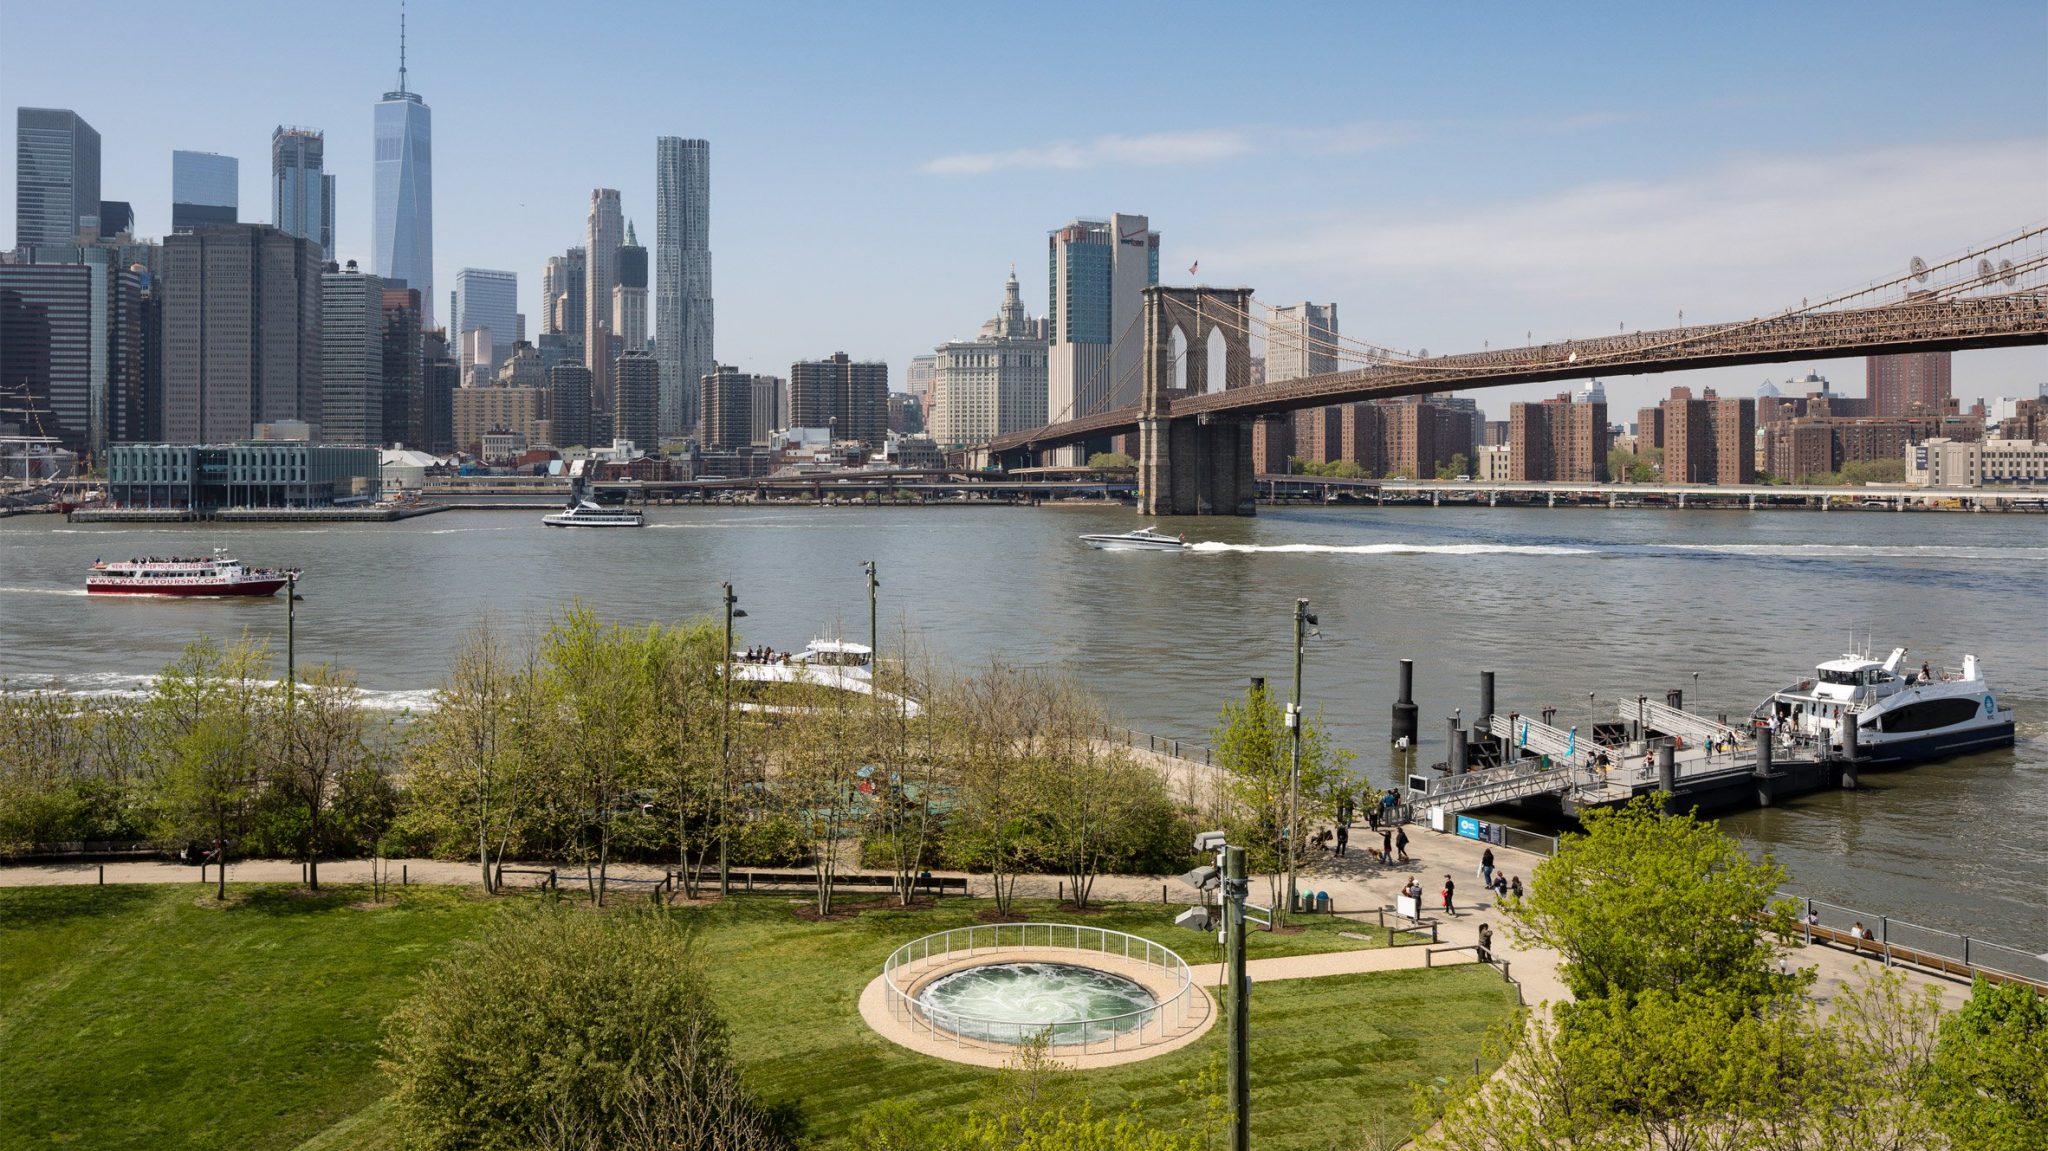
<point>1194,465</point>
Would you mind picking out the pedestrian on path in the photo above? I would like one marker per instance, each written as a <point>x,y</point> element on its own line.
<point>1343,839</point>
<point>1450,889</point>
<point>1401,843</point>
<point>1486,868</point>
<point>1515,887</point>
<point>1485,944</point>
<point>1387,847</point>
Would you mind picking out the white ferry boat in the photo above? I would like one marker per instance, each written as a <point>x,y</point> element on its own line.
<point>1900,717</point>
<point>1142,540</point>
<point>590,514</point>
<point>189,576</point>
<point>827,663</point>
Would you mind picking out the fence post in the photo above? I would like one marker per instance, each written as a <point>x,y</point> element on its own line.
<point>405,875</point>
<point>1806,924</point>
<point>1884,926</point>
<point>1966,943</point>
<point>1162,892</point>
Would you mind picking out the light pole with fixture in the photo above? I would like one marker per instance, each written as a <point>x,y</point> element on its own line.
<point>732,612</point>
<point>1228,874</point>
<point>1303,620</point>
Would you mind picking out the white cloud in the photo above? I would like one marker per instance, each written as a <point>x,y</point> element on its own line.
<point>1160,149</point>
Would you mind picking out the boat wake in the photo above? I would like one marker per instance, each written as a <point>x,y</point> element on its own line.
<point>124,685</point>
<point>1862,551</point>
<point>1394,549</point>
<point>43,591</point>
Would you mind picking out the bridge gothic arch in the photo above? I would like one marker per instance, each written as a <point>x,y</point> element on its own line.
<point>1196,341</point>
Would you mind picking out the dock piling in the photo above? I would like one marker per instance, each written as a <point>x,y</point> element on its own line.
<point>1484,724</point>
<point>1763,767</point>
<point>1406,714</point>
<point>1848,729</point>
<point>1667,773</point>
<point>1458,758</point>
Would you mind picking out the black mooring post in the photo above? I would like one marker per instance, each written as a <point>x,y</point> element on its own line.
<point>1406,714</point>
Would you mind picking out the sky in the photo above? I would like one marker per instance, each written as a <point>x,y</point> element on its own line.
<point>1452,176</point>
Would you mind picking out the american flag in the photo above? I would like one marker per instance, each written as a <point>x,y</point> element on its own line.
<point>1192,267</point>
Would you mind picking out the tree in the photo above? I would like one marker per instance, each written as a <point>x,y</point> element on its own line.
<point>209,718</point>
<point>566,1030</point>
<point>999,727</point>
<point>593,698</point>
<point>1089,795</point>
<point>329,747</point>
<point>65,768</point>
<point>817,760</point>
<point>1252,748</point>
<point>1990,1083</point>
<point>471,769</point>
<point>1111,460</point>
<point>908,819</point>
<point>1644,900</point>
<point>1459,465</point>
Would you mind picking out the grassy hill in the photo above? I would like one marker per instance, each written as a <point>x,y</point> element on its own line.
<point>149,1017</point>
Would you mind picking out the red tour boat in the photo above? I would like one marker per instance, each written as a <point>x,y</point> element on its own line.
<point>219,575</point>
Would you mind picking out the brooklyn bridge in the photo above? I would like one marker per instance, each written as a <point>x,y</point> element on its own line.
<point>1196,402</point>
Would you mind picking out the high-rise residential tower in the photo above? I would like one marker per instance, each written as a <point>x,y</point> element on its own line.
<point>637,398</point>
<point>56,176</point>
<point>241,332</point>
<point>561,292</point>
<point>1098,272</point>
<point>488,299</point>
<point>299,187</point>
<point>205,189</point>
<point>1301,340</point>
<point>1908,383</point>
<point>351,357</point>
<point>849,397</point>
<point>604,231</point>
<point>404,368</point>
<point>682,276</point>
<point>402,190</point>
<point>629,295</point>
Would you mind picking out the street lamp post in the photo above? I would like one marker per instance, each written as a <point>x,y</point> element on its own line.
<point>1227,875</point>
<point>725,750</point>
<point>1303,620</point>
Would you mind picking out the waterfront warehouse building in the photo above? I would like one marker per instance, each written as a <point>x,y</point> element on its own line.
<point>250,474</point>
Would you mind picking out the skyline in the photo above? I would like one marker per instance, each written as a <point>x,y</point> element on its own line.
<point>1765,156</point>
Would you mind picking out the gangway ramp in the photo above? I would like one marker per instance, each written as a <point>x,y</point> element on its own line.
<point>1528,736</point>
<point>1667,720</point>
<point>1570,768</point>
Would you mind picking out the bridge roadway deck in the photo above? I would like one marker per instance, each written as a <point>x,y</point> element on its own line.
<point>1940,325</point>
<point>1695,491</point>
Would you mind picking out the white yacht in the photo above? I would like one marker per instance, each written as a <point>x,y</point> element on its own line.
<point>590,514</point>
<point>1900,717</point>
<point>1142,540</point>
<point>827,663</point>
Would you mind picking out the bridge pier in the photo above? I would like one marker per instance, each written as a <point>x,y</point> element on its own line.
<point>1196,465</point>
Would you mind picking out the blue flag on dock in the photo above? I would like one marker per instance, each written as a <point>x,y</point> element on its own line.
<point>1571,742</point>
<point>1525,733</point>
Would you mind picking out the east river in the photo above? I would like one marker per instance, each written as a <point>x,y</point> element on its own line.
<point>1563,604</point>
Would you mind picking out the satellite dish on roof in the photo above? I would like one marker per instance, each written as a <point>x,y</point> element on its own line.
<point>2005,272</point>
<point>1918,269</point>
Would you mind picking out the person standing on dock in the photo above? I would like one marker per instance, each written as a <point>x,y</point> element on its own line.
<point>1486,868</point>
<point>1450,890</point>
<point>1401,843</point>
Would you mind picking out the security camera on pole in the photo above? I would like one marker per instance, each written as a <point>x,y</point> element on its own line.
<point>1228,875</point>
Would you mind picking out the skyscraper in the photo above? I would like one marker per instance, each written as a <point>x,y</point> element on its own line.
<point>46,332</point>
<point>486,298</point>
<point>850,398</point>
<point>984,387</point>
<point>241,332</point>
<point>56,176</point>
<point>402,195</point>
<point>561,291</point>
<point>1301,340</point>
<point>727,401</point>
<point>404,365</point>
<point>205,189</point>
<point>299,187</point>
<point>351,357</point>
<point>635,414</point>
<point>1908,383</point>
<point>569,405</point>
<point>604,231</point>
<point>682,275</point>
<point>629,296</point>
<point>1098,272</point>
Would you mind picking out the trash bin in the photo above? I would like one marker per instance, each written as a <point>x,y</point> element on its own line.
<point>1323,902</point>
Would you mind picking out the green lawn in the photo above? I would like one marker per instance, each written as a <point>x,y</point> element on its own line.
<point>146,1017</point>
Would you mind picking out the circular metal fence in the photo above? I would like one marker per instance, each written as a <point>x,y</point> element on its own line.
<point>916,964</point>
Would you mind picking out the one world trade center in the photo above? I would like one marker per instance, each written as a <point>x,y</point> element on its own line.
<point>402,195</point>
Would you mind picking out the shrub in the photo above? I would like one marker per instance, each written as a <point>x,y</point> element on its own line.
<point>569,1029</point>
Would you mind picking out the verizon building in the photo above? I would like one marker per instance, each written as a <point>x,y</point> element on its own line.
<point>1098,272</point>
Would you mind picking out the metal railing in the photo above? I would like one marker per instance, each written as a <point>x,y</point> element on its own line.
<point>1894,940</point>
<point>904,977</point>
<point>1163,745</point>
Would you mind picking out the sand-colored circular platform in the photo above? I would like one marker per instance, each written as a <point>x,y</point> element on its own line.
<point>1186,1010</point>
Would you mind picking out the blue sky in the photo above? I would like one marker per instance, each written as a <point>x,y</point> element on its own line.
<point>1448,174</point>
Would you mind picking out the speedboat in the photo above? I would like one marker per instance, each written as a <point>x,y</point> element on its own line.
<point>1900,717</point>
<point>1142,540</point>
<point>590,514</point>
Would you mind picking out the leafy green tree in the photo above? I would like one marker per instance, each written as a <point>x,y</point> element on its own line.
<point>330,750</point>
<point>66,768</point>
<point>1646,901</point>
<point>1111,460</point>
<point>1459,465</point>
<point>560,1029</point>
<point>1001,727</point>
<point>1252,748</point>
<point>1990,1084</point>
<point>1089,795</point>
<point>210,717</point>
<point>472,775</point>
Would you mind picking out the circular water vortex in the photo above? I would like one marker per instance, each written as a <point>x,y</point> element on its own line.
<point>1013,1002</point>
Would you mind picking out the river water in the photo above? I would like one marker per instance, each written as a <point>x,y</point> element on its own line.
<point>1560,603</point>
